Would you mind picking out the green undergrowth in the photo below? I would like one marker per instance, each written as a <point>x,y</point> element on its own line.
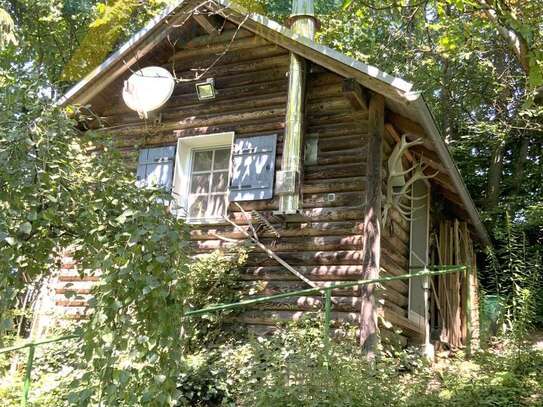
<point>292,368</point>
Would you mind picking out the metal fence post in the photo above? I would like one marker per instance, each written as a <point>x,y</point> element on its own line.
<point>28,373</point>
<point>469,327</point>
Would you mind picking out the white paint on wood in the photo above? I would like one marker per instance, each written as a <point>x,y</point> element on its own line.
<point>418,252</point>
<point>181,177</point>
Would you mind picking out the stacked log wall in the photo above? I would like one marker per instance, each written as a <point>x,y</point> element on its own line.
<point>325,241</point>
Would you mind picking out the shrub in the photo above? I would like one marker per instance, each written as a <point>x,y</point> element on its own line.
<point>517,276</point>
<point>212,279</point>
<point>293,368</point>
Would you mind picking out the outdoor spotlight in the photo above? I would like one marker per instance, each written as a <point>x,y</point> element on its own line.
<point>206,90</point>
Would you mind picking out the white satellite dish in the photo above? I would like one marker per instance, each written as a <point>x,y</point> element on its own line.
<point>148,89</point>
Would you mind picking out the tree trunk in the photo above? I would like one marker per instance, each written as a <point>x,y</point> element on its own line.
<point>445,100</point>
<point>495,170</point>
<point>495,167</point>
<point>371,250</point>
<point>518,170</point>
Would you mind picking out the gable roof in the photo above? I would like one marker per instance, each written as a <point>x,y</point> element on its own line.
<point>400,96</point>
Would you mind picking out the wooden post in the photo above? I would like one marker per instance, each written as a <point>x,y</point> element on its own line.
<point>355,95</point>
<point>429,352</point>
<point>468,311</point>
<point>371,250</point>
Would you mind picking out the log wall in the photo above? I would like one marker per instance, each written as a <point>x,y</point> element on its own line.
<point>325,242</point>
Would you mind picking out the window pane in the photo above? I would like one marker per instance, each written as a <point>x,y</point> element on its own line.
<point>199,184</point>
<point>197,206</point>
<point>202,161</point>
<point>220,180</point>
<point>222,158</point>
<point>216,206</point>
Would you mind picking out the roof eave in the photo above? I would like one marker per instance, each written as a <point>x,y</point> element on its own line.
<point>76,91</point>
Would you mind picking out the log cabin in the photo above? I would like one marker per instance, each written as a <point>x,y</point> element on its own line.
<point>343,160</point>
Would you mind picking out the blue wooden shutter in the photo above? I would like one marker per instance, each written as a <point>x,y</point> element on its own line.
<point>253,168</point>
<point>155,167</point>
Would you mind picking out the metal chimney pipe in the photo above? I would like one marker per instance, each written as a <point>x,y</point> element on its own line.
<point>304,23</point>
<point>302,18</point>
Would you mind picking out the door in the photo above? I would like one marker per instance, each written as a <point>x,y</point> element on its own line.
<point>418,253</point>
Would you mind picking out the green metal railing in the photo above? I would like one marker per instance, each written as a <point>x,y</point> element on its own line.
<point>426,272</point>
<point>30,360</point>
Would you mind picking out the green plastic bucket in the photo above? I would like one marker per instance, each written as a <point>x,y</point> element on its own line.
<point>491,314</point>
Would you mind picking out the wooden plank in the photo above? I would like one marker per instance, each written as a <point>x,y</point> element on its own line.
<point>341,143</point>
<point>306,258</point>
<point>334,129</point>
<point>316,273</point>
<point>237,44</point>
<point>392,295</point>
<point>210,23</point>
<point>315,214</point>
<point>390,291</point>
<point>355,95</point>
<point>320,172</point>
<point>329,105</point>
<point>335,185</point>
<point>317,200</point>
<point>279,286</point>
<point>224,36</point>
<point>187,123</point>
<point>173,112</point>
<point>371,250</point>
<point>235,67</point>
<point>76,277</point>
<point>205,232</point>
<point>238,90</point>
<point>288,244</point>
<point>208,61</point>
<point>349,156</point>
<point>411,329</point>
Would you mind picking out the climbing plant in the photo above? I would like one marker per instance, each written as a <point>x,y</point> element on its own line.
<point>62,190</point>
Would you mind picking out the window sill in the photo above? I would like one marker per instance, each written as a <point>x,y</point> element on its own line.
<point>206,221</point>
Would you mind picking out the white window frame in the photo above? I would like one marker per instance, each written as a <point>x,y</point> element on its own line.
<point>183,166</point>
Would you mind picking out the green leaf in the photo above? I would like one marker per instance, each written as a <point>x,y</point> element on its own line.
<point>160,378</point>
<point>25,228</point>
<point>124,216</point>
<point>6,324</point>
<point>347,4</point>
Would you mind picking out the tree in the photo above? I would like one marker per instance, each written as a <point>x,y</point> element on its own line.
<point>479,66</point>
<point>60,190</point>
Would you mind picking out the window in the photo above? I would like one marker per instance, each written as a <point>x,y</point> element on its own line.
<point>208,192</point>
<point>214,169</point>
<point>201,176</point>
